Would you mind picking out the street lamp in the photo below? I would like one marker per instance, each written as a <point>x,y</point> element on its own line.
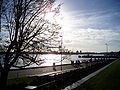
<point>61,50</point>
<point>106,47</point>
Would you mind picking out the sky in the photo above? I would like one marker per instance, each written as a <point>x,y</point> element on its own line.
<point>89,25</point>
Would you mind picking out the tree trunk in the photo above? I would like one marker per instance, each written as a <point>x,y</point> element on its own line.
<point>3,79</point>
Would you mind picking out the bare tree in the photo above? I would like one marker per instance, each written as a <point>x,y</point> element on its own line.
<point>25,29</point>
<point>1,1</point>
<point>2,9</point>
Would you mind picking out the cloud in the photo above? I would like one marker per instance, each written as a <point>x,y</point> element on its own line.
<point>96,34</point>
<point>107,19</point>
<point>90,30</point>
<point>91,39</point>
<point>68,41</point>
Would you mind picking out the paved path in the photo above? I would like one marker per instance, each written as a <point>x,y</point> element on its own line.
<point>79,82</point>
<point>42,70</point>
<point>38,71</point>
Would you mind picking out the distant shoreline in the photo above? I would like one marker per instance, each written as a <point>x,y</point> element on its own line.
<point>62,52</point>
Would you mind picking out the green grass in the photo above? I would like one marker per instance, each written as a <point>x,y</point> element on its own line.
<point>20,81</point>
<point>108,79</point>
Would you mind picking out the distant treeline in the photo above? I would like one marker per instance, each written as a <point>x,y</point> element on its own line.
<point>54,52</point>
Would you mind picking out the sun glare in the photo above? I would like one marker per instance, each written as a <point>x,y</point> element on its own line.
<point>49,59</point>
<point>65,20</point>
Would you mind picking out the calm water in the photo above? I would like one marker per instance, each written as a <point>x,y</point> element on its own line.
<point>53,58</point>
<point>49,59</point>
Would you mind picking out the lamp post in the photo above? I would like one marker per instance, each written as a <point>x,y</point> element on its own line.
<point>106,47</point>
<point>61,50</point>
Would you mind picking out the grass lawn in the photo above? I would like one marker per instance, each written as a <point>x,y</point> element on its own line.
<point>19,83</point>
<point>108,79</point>
<point>23,80</point>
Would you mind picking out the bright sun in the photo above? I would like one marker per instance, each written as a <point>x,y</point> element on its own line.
<point>64,19</point>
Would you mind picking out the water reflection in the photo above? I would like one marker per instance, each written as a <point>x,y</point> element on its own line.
<point>53,58</point>
<point>49,59</point>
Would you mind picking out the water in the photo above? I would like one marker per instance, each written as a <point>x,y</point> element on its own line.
<point>49,59</point>
<point>56,58</point>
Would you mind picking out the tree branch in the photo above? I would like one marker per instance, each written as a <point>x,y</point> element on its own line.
<point>1,66</point>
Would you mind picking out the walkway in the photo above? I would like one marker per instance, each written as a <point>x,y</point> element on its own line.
<point>39,71</point>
